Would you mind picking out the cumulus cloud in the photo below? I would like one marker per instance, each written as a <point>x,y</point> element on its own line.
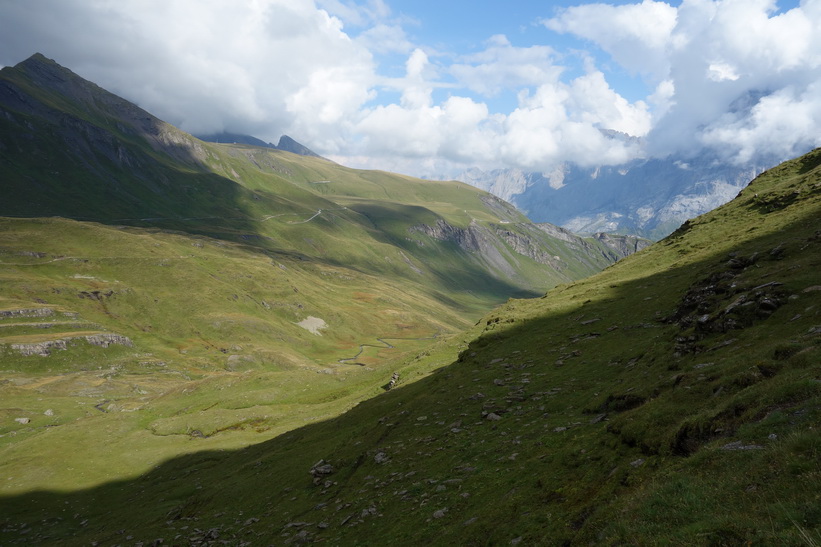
<point>557,122</point>
<point>562,122</point>
<point>731,76</point>
<point>206,65</point>
<point>503,66</point>
<point>737,77</point>
<point>775,123</point>
<point>635,35</point>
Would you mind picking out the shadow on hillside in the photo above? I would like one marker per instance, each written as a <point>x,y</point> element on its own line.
<point>87,172</point>
<point>455,268</point>
<point>200,489</point>
<point>119,183</point>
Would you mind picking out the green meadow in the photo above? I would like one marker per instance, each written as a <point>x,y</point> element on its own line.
<point>196,342</point>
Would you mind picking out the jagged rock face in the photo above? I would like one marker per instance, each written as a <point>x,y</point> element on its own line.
<point>469,239</point>
<point>526,246</point>
<point>474,239</point>
<point>650,198</point>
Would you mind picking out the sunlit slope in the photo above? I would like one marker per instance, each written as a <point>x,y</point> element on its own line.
<point>160,295</point>
<point>673,398</point>
<point>141,340</point>
<point>71,149</point>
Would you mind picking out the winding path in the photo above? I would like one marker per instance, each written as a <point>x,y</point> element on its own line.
<point>385,345</point>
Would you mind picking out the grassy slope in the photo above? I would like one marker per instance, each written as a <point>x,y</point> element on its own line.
<point>207,257</point>
<point>673,398</point>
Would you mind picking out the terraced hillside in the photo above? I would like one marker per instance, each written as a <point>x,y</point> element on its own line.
<point>672,398</point>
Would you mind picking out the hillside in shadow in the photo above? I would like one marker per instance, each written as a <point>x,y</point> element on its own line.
<point>672,398</point>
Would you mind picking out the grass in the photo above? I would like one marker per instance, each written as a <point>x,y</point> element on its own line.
<point>672,398</point>
<point>207,257</point>
<point>617,418</point>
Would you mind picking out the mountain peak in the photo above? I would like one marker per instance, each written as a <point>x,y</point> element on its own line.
<point>39,59</point>
<point>46,72</point>
<point>288,144</point>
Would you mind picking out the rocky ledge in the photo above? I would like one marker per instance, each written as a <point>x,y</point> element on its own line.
<point>44,349</point>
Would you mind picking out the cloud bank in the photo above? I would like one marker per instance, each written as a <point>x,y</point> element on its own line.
<point>736,77</point>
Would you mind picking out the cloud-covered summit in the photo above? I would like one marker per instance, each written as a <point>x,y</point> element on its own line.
<point>359,81</point>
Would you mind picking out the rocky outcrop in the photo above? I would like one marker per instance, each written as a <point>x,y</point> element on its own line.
<point>105,340</point>
<point>320,471</point>
<point>527,246</point>
<point>469,239</point>
<point>624,245</point>
<point>719,303</point>
<point>44,349</point>
<point>475,239</point>
<point>558,232</point>
<point>28,312</point>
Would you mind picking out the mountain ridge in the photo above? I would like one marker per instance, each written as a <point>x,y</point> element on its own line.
<point>158,290</point>
<point>648,198</point>
<point>286,143</point>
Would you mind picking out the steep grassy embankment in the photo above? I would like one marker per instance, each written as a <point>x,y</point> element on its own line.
<point>673,398</point>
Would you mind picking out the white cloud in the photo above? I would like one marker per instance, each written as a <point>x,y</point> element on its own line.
<point>735,76</point>
<point>267,67</point>
<point>635,35</point>
<point>600,106</point>
<point>360,14</point>
<point>502,66</point>
<point>774,124</point>
<point>558,122</point>
<point>563,123</point>
<point>719,72</point>
<point>731,63</point>
<point>385,38</point>
<point>729,74</point>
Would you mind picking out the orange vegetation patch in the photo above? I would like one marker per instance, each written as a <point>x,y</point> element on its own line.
<point>364,296</point>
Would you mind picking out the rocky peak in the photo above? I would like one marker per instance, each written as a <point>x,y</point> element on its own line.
<point>287,144</point>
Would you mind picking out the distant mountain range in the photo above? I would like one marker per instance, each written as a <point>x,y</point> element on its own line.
<point>650,198</point>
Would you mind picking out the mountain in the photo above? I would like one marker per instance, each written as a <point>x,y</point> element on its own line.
<point>286,143</point>
<point>671,399</point>
<point>649,198</point>
<point>234,138</point>
<point>74,150</point>
<point>161,294</point>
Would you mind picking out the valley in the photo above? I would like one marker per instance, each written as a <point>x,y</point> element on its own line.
<point>162,295</point>
<point>207,343</point>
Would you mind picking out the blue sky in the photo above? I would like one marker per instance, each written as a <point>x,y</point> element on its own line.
<point>432,88</point>
<point>457,28</point>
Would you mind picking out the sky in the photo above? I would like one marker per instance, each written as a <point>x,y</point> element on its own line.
<point>431,88</point>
